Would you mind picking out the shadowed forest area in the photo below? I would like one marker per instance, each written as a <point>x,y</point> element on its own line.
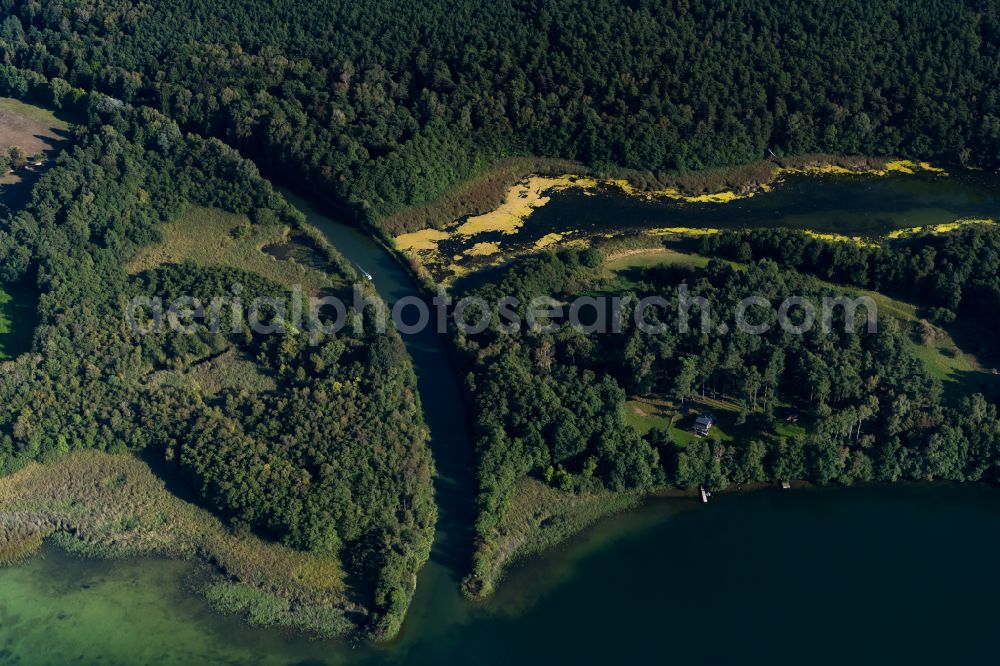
<point>387,105</point>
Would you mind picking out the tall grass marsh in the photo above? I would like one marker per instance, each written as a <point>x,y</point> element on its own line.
<point>107,505</point>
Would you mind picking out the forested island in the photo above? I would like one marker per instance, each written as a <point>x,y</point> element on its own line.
<point>302,471</point>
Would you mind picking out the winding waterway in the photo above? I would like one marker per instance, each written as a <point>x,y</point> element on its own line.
<point>853,205</point>
<point>859,575</point>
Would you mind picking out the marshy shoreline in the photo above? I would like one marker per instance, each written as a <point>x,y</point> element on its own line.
<point>595,211</point>
<point>487,191</point>
<point>112,506</point>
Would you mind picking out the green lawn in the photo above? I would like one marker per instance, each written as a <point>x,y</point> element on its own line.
<point>644,414</point>
<point>650,412</point>
<point>24,113</point>
<point>653,257</point>
<point>623,272</point>
<point>960,372</point>
<point>643,423</point>
<point>785,429</point>
<point>17,319</point>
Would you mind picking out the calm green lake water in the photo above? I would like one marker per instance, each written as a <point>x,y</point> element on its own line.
<point>873,576</point>
<point>857,575</point>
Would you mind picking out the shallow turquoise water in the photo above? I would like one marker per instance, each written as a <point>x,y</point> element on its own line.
<point>863,575</point>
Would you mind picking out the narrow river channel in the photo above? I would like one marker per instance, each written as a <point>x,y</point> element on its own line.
<point>438,592</point>
<point>835,575</point>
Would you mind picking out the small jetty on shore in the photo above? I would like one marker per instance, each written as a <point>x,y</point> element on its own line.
<point>704,494</point>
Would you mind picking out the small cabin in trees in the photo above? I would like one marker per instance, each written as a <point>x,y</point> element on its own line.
<point>703,424</point>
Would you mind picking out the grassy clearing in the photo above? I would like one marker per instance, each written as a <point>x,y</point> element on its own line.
<point>107,505</point>
<point>538,518</point>
<point>648,412</point>
<point>643,258</point>
<point>21,123</point>
<point>645,414</point>
<point>961,373</point>
<point>229,370</point>
<point>943,361</point>
<point>623,269</point>
<point>30,128</point>
<point>17,319</point>
<point>211,237</point>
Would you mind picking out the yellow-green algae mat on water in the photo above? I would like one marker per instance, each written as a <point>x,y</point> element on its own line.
<point>939,228</point>
<point>908,167</point>
<point>531,193</point>
<point>861,241</point>
<point>522,199</point>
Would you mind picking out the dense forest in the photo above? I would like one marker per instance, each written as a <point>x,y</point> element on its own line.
<point>326,452</point>
<point>954,275</point>
<point>552,404</point>
<point>386,104</point>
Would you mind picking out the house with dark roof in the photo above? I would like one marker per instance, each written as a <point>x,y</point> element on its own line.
<point>703,424</point>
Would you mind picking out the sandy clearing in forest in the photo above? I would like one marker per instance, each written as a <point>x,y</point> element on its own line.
<point>28,127</point>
